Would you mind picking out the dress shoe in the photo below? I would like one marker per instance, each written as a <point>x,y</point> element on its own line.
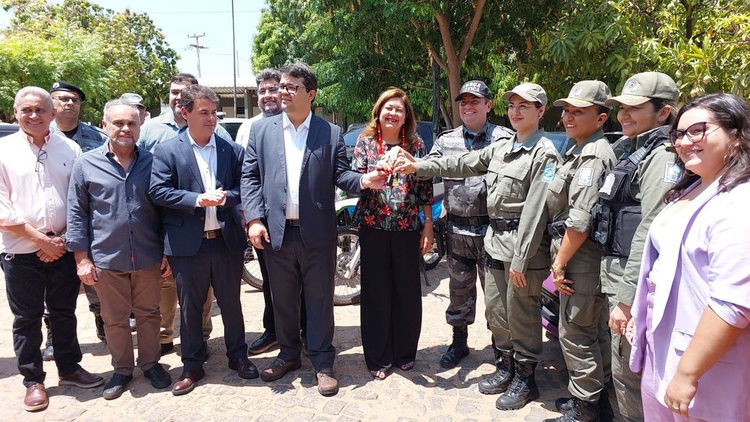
<point>245,369</point>
<point>327,383</point>
<point>159,377</point>
<point>116,386</point>
<point>36,398</point>
<point>82,378</point>
<point>167,348</point>
<point>267,341</point>
<point>186,382</point>
<point>278,368</point>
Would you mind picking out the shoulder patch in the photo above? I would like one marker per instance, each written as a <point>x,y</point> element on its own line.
<point>672,172</point>
<point>548,174</point>
<point>586,176</point>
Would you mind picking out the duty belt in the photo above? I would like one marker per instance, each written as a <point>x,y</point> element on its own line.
<point>503,225</point>
<point>556,229</point>
<point>490,262</point>
<point>469,221</point>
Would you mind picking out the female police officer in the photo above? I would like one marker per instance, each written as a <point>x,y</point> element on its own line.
<point>631,195</point>
<point>518,172</point>
<point>572,194</point>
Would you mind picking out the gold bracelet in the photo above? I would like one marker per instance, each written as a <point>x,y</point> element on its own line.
<point>558,269</point>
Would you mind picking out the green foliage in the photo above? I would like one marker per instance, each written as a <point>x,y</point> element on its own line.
<point>360,47</point>
<point>103,52</point>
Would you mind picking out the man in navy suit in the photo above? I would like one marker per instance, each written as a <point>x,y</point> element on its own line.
<point>196,178</point>
<point>293,163</point>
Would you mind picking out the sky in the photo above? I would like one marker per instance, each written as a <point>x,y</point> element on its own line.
<point>178,19</point>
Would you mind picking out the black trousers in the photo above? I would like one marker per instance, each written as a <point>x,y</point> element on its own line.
<point>391,308</point>
<point>295,268</point>
<point>28,283</point>
<point>214,265</point>
<point>269,323</point>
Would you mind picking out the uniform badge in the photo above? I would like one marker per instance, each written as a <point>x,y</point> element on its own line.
<point>548,174</point>
<point>672,172</point>
<point>586,176</point>
<point>630,86</point>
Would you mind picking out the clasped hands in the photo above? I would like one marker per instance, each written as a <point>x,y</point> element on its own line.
<point>397,160</point>
<point>212,198</point>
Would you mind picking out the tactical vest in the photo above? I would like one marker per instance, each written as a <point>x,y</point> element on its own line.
<point>618,212</point>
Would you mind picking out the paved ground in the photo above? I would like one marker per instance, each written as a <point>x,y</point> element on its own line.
<point>428,393</point>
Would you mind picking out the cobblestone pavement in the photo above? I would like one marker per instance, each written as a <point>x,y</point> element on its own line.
<point>427,393</point>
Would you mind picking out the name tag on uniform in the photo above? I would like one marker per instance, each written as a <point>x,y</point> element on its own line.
<point>586,176</point>
<point>672,172</point>
<point>609,183</point>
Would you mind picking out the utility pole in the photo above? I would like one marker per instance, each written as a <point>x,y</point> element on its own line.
<point>198,48</point>
<point>234,67</point>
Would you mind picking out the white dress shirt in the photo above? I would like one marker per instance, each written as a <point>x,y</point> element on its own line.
<point>206,158</point>
<point>34,187</point>
<point>295,142</point>
<point>243,133</point>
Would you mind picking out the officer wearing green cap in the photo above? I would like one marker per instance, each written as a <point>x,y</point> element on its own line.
<point>571,196</point>
<point>631,195</point>
<point>518,172</point>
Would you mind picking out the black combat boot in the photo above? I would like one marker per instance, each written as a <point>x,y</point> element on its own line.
<point>499,381</point>
<point>578,411</point>
<point>521,390</point>
<point>606,414</point>
<point>99,322</point>
<point>457,350</point>
<point>48,353</point>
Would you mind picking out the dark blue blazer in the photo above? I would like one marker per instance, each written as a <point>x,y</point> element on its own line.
<point>324,166</point>
<point>175,185</point>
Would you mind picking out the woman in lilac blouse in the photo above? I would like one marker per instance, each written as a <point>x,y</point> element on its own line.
<point>692,305</point>
<point>391,236</point>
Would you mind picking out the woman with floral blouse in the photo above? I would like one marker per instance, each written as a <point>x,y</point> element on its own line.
<point>392,237</point>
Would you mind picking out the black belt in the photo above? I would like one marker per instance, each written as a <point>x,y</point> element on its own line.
<point>490,262</point>
<point>293,223</point>
<point>481,220</point>
<point>503,225</point>
<point>212,234</point>
<point>556,229</point>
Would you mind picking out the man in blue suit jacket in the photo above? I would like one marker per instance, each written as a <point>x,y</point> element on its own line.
<point>293,163</point>
<point>196,178</point>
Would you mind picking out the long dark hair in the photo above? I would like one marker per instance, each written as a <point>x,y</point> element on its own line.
<point>410,124</point>
<point>732,114</point>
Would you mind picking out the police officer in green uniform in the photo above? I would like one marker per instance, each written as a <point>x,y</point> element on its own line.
<point>517,172</point>
<point>466,207</point>
<point>631,195</point>
<point>572,194</point>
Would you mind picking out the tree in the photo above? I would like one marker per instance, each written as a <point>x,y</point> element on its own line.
<point>359,48</point>
<point>123,52</point>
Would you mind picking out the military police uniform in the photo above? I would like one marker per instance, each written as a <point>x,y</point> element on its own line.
<point>466,207</point>
<point>516,176</point>
<point>583,316</point>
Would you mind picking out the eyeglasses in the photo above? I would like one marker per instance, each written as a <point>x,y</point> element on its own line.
<point>290,88</point>
<point>65,100</point>
<point>40,157</point>
<point>695,133</point>
<point>271,90</point>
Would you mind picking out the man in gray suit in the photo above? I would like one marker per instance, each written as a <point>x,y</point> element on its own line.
<point>293,163</point>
